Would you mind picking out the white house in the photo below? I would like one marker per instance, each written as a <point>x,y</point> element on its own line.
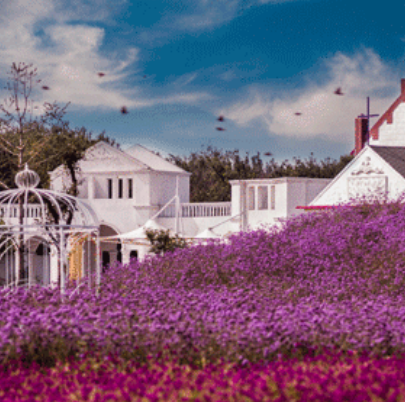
<point>137,189</point>
<point>131,189</point>
<point>379,165</point>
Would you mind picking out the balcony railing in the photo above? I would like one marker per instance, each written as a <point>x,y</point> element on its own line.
<point>198,210</point>
<point>33,211</point>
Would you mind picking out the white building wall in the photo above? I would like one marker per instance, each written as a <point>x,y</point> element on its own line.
<point>83,187</point>
<point>338,191</point>
<point>235,197</point>
<point>190,227</point>
<point>256,216</point>
<point>392,134</point>
<point>314,187</point>
<point>296,195</point>
<point>163,188</point>
<point>301,191</point>
<point>100,187</point>
<point>119,213</point>
<point>142,188</point>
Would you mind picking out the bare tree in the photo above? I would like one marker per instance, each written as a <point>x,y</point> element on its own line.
<point>21,118</point>
<point>20,123</point>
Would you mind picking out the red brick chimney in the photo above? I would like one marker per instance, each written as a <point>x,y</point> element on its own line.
<point>360,134</point>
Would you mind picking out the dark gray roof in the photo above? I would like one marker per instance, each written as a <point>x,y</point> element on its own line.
<point>394,156</point>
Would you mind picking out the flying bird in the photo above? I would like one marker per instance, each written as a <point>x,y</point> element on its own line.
<point>221,129</point>
<point>144,76</point>
<point>45,88</point>
<point>124,110</point>
<point>221,118</point>
<point>268,153</point>
<point>101,74</point>
<point>298,113</point>
<point>338,91</point>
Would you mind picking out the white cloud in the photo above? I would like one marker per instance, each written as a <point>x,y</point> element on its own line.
<point>68,55</point>
<point>202,15</point>
<point>323,113</point>
<point>206,14</point>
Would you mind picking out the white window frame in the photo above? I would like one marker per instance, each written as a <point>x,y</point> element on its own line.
<point>273,197</point>
<point>251,192</point>
<point>262,198</point>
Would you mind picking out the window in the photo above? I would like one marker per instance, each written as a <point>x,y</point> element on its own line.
<point>105,260</point>
<point>130,188</point>
<point>263,197</point>
<point>273,197</point>
<point>110,188</point>
<point>42,250</point>
<point>251,198</point>
<point>133,254</point>
<point>120,188</point>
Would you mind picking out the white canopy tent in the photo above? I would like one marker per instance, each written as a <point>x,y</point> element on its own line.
<point>207,234</point>
<point>139,233</point>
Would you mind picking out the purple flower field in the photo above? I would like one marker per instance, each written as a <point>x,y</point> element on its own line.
<point>328,281</point>
<point>324,378</point>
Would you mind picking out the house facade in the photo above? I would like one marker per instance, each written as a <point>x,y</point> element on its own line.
<point>133,189</point>
<point>379,165</point>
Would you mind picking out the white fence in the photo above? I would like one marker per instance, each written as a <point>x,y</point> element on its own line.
<point>198,210</point>
<point>33,211</point>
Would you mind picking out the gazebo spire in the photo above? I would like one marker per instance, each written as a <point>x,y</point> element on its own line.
<point>27,178</point>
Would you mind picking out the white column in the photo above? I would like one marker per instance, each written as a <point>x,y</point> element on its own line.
<point>125,253</point>
<point>91,188</point>
<point>98,267</point>
<point>243,205</point>
<point>54,265</point>
<point>177,206</point>
<point>115,187</point>
<point>62,260</point>
<point>125,188</point>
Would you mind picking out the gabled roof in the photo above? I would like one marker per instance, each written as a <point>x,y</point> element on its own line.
<point>102,151</point>
<point>394,156</point>
<point>388,115</point>
<point>340,174</point>
<point>104,157</point>
<point>155,162</point>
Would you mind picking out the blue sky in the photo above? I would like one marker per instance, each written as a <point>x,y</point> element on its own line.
<point>178,65</point>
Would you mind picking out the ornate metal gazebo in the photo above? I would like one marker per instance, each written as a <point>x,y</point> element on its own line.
<point>40,231</point>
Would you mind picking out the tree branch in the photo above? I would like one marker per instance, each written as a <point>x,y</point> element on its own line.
<point>6,149</point>
<point>41,145</point>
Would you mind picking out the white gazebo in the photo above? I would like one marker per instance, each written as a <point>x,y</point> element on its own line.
<point>39,229</point>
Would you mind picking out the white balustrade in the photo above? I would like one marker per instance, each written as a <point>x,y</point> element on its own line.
<point>33,211</point>
<point>198,210</point>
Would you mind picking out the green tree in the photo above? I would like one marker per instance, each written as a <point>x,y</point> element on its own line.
<point>161,241</point>
<point>42,140</point>
<point>212,169</point>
